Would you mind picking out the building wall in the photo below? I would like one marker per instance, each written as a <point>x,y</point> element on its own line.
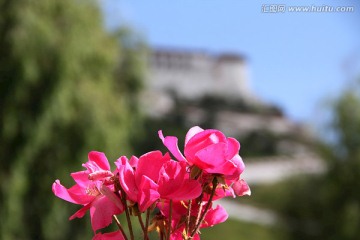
<point>193,75</point>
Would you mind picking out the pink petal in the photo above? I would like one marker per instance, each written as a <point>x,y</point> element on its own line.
<point>211,156</point>
<point>149,165</point>
<point>233,148</point>
<point>237,160</point>
<point>112,197</point>
<point>109,236</point>
<point>227,169</point>
<point>173,170</point>
<point>99,159</point>
<point>127,178</point>
<point>134,161</point>
<point>61,192</point>
<point>101,212</point>
<point>148,193</point>
<point>215,216</point>
<point>81,178</point>
<point>192,132</point>
<point>177,235</point>
<point>202,140</point>
<point>172,145</point>
<point>241,188</point>
<point>79,194</point>
<point>230,168</point>
<point>75,194</point>
<point>178,209</point>
<point>174,182</point>
<point>239,167</point>
<point>189,190</point>
<point>171,177</point>
<point>196,237</point>
<point>80,213</point>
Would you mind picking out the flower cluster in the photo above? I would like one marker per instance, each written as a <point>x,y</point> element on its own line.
<point>176,194</point>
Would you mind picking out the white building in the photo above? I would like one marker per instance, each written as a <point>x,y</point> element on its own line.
<point>191,75</point>
<point>194,74</point>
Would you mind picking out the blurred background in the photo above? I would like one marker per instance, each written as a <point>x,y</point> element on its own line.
<point>106,75</point>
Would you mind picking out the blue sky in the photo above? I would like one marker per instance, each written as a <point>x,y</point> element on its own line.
<point>296,60</point>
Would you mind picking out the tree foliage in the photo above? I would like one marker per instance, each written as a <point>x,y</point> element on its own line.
<point>328,207</point>
<point>65,90</point>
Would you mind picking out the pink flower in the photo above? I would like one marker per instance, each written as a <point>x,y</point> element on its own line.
<point>109,236</point>
<point>155,177</point>
<point>93,190</point>
<point>174,182</point>
<point>210,150</point>
<point>140,185</point>
<point>182,189</point>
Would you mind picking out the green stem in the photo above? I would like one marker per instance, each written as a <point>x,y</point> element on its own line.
<point>199,211</point>
<point>143,227</point>
<point>123,199</point>
<point>214,183</point>
<point>188,218</point>
<point>120,227</point>
<point>170,216</point>
<point>147,219</point>
<point>161,233</point>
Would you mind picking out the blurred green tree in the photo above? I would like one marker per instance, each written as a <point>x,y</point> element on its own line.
<point>67,87</point>
<point>328,207</point>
